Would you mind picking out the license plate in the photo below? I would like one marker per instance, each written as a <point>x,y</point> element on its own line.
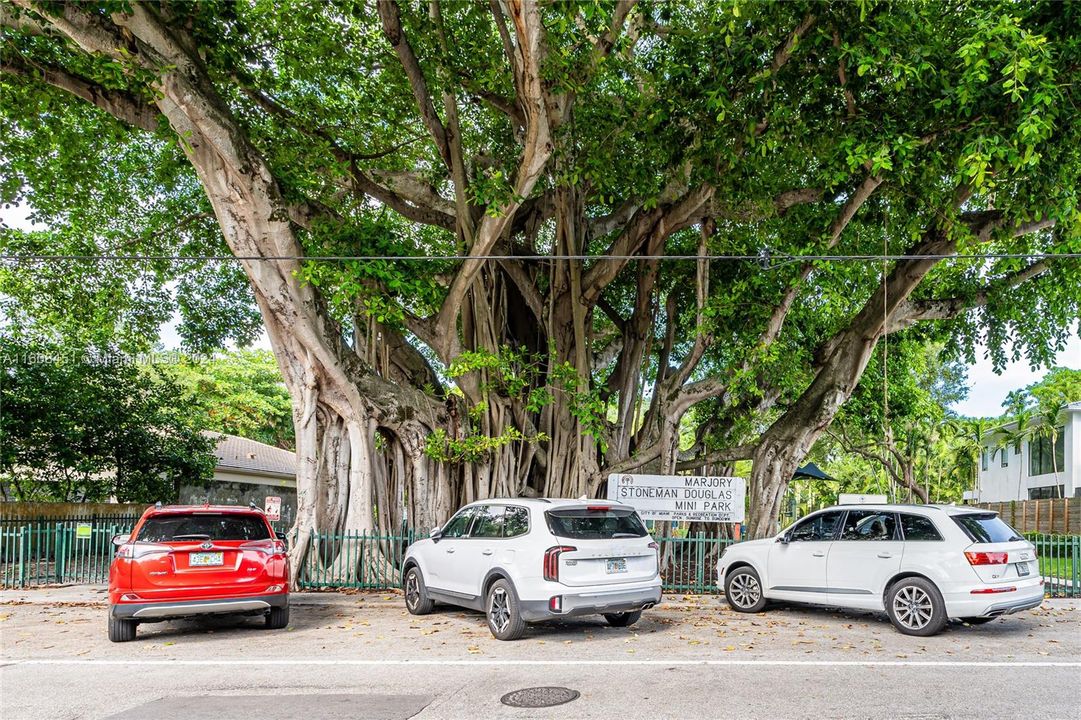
<point>1022,569</point>
<point>206,559</point>
<point>617,565</point>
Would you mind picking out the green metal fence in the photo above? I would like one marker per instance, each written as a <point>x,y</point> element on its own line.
<point>71,551</point>
<point>1060,563</point>
<point>79,551</point>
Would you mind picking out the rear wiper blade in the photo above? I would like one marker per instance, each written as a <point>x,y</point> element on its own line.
<point>193,536</point>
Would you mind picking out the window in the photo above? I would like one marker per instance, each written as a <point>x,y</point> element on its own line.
<point>817,527</point>
<point>204,526</point>
<point>869,525</point>
<point>983,460</point>
<point>918,527</point>
<point>515,522</point>
<point>986,528</point>
<point>581,523</point>
<point>1040,459</point>
<point>459,524</point>
<point>489,523</point>
<point>1017,448</point>
<point>1004,456</point>
<point>1046,492</point>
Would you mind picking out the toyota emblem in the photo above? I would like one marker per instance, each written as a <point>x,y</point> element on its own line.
<point>207,545</point>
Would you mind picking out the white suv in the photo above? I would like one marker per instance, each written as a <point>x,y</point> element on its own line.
<point>922,564</point>
<point>528,560</point>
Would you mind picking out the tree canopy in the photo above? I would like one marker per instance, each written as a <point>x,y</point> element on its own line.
<point>567,225</point>
<point>239,392</point>
<point>81,425</point>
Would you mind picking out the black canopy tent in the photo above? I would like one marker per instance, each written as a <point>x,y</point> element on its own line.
<point>810,470</point>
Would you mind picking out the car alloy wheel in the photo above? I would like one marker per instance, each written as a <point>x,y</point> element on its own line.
<point>913,607</point>
<point>745,590</point>
<point>499,610</point>
<point>412,589</point>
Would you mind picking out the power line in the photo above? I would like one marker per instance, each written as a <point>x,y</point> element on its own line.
<point>765,259</point>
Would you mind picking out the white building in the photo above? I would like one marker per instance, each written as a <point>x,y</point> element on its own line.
<point>1026,470</point>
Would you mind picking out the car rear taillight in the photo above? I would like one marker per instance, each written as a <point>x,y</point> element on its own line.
<point>655,546</point>
<point>986,558</point>
<point>597,508</point>
<point>269,547</point>
<point>990,590</point>
<point>551,561</point>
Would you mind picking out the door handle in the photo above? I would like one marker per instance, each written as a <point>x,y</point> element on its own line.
<point>885,555</point>
<point>450,550</point>
<point>486,552</point>
<point>818,553</point>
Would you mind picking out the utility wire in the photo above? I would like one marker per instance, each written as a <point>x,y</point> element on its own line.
<point>766,260</point>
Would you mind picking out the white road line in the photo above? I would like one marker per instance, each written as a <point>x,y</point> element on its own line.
<point>533,663</point>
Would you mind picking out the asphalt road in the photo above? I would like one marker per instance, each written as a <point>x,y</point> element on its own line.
<point>362,656</point>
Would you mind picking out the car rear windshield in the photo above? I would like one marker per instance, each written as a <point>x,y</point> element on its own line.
<point>584,524</point>
<point>986,528</point>
<point>203,526</point>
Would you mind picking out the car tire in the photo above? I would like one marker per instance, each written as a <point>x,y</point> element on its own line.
<point>501,608</point>
<point>277,618</point>
<point>623,619</point>
<point>915,607</point>
<point>417,601</point>
<point>977,620</point>
<point>121,630</point>
<point>743,590</point>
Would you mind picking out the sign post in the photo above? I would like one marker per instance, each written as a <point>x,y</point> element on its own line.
<point>273,508</point>
<point>674,498</point>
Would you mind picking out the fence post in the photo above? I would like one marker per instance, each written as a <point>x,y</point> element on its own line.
<point>1075,565</point>
<point>700,561</point>
<point>58,553</point>
<point>24,539</point>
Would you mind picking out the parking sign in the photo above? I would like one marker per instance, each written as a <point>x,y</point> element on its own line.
<point>273,507</point>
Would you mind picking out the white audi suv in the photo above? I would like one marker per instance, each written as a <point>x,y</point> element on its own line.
<point>921,564</point>
<point>528,560</point>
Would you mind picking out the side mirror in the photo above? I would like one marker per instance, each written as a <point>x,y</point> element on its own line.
<point>284,537</point>
<point>783,538</point>
<point>119,540</point>
<point>435,534</point>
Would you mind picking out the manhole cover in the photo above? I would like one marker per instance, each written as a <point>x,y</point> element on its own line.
<point>539,697</point>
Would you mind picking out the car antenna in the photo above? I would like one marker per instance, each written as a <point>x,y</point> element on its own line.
<point>157,504</point>
<point>252,505</point>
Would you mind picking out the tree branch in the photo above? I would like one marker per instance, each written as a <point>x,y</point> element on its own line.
<point>126,107</point>
<point>915,311</point>
<point>390,14</point>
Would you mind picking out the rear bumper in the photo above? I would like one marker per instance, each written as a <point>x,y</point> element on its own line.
<point>596,602</point>
<point>171,609</point>
<point>962,604</point>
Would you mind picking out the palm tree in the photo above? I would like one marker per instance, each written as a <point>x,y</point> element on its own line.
<point>1022,417</point>
<point>1048,428</point>
<point>969,434</point>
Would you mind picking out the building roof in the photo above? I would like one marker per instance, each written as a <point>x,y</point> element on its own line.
<point>243,454</point>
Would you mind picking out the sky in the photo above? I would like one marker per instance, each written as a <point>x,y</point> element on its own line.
<point>987,390</point>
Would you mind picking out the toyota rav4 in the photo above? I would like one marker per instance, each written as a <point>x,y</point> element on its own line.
<point>182,561</point>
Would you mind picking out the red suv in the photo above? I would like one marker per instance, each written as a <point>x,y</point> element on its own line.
<point>185,561</point>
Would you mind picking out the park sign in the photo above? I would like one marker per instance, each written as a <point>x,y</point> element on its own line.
<point>700,498</point>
